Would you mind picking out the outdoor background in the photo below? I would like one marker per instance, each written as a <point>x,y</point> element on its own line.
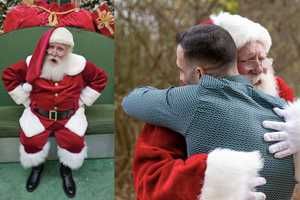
<point>145,53</point>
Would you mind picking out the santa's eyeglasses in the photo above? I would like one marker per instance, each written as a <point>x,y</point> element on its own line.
<point>267,62</point>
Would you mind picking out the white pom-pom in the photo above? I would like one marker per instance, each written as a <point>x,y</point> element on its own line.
<point>27,87</point>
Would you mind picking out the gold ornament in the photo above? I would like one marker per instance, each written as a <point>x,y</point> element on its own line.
<point>53,19</point>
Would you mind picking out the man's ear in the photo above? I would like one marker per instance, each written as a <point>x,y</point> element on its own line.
<point>200,71</point>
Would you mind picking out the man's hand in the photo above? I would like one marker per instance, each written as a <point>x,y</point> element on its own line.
<point>287,133</point>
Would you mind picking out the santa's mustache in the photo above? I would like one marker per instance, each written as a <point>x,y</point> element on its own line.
<point>53,59</point>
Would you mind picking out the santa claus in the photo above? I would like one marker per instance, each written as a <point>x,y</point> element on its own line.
<point>253,42</point>
<point>161,168</point>
<point>54,85</point>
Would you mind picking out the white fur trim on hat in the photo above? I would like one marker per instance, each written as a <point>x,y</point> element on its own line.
<point>63,36</point>
<point>72,160</point>
<point>33,159</point>
<point>228,174</point>
<point>243,30</point>
<point>78,122</point>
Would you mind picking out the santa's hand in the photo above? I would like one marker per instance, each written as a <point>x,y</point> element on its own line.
<point>288,132</point>
<point>253,195</point>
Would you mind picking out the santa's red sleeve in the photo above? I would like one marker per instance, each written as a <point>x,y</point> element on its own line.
<point>284,90</point>
<point>14,81</point>
<point>95,81</point>
<point>161,169</point>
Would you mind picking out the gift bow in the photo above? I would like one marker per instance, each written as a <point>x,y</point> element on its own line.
<point>105,20</point>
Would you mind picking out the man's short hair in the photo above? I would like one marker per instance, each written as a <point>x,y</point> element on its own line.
<point>210,45</point>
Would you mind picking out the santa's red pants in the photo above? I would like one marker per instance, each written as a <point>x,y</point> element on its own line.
<point>65,139</point>
<point>71,148</point>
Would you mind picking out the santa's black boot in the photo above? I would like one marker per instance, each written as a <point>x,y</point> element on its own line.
<point>34,178</point>
<point>68,182</point>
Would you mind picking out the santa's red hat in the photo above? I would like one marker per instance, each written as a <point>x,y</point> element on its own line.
<point>55,35</point>
<point>241,29</point>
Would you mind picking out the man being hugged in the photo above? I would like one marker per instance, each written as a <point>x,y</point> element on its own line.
<point>218,109</point>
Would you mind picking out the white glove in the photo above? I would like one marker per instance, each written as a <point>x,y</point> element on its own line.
<point>253,195</point>
<point>287,133</point>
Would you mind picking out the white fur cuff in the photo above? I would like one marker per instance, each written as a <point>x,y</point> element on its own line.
<point>19,95</point>
<point>88,96</point>
<point>33,159</point>
<point>228,173</point>
<point>72,160</point>
<point>78,122</point>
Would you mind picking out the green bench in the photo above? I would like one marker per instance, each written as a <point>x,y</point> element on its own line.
<point>18,45</point>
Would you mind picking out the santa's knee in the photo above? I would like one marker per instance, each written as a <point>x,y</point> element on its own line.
<point>71,142</point>
<point>32,144</point>
<point>72,152</point>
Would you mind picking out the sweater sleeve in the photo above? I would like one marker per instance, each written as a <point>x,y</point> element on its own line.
<point>172,108</point>
<point>95,81</point>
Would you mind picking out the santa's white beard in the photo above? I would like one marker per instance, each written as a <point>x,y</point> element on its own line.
<point>53,70</point>
<point>265,82</point>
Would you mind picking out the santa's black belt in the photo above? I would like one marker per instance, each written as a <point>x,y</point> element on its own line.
<point>54,114</point>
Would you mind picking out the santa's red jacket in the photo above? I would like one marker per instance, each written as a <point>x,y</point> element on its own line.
<point>161,169</point>
<point>83,83</point>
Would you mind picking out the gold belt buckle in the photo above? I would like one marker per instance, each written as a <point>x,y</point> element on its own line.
<point>53,115</point>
